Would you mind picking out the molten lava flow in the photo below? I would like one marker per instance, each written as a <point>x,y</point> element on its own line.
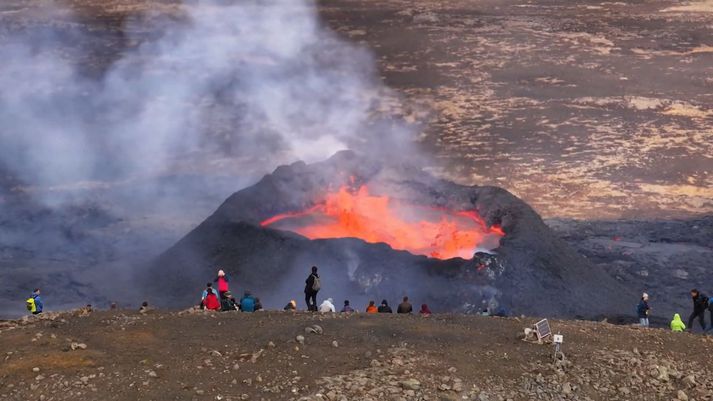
<point>432,232</point>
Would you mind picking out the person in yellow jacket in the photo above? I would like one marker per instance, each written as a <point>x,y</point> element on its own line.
<point>677,324</point>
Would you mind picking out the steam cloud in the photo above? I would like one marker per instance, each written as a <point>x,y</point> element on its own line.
<point>215,91</point>
<point>247,85</point>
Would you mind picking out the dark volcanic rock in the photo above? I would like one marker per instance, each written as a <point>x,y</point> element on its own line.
<point>665,258</point>
<point>534,272</point>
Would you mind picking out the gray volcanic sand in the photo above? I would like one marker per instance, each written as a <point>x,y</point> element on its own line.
<point>585,109</point>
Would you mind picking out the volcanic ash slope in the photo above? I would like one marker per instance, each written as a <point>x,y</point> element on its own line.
<point>532,271</point>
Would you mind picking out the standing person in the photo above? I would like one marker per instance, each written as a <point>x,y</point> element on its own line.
<point>327,306</point>
<point>312,287</point>
<point>405,307</point>
<point>34,302</point>
<point>222,281</point>
<point>700,304</point>
<point>643,310</point>
<point>346,308</point>
<point>384,307</point>
<point>372,307</point>
<point>677,324</point>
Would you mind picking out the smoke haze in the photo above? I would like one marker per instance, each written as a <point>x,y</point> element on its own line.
<point>260,84</point>
<point>184,116</point>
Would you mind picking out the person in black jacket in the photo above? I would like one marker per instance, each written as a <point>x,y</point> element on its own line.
<point>384,307</point>
<point>405,307</point>
<point>228,303</point>
<point>312,287</point>
<point>700,304</point>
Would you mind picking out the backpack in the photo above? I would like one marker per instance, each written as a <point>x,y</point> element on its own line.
<point>316,285</point>
<point>31,306</point>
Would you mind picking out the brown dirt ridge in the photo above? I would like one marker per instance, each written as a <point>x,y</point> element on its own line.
<point>195,355</point>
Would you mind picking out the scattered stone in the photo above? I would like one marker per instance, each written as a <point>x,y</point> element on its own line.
<point>300,339</point>
<point>411,384</point>
<point>335,344</point>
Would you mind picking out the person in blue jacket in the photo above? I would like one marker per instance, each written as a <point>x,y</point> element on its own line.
<point>38,302</point>
<point>248,302</point>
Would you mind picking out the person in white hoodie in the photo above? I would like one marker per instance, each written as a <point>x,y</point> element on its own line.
<point>327,306</point>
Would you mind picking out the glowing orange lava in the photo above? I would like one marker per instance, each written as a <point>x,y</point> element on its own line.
<point>437,233</point>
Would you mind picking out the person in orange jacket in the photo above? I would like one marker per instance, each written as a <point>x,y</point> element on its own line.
<point>372,307</point>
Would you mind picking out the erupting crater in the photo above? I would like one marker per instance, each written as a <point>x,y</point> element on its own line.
<point>355,213</point>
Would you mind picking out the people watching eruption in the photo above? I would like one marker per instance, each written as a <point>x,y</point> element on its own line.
<point>384,307</point>
<point>425,311</point>
<point>312,287</point>
<point>643,310</point>
<point>291,306</point>
<point>405,307</point>
<point>248,302</point>
<point>327,306</point>
<point>347,308</point>
<point>34,303</point>
<point>700,304</point>
<point>228,303</point>
<point>211,302</point>
<point>222,281</point>
<point>677,324</point>
<point>208,290</point>
<point>371,308</point>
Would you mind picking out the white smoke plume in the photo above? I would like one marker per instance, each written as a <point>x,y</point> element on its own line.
<point>196,101</point>
<point>252,84</point>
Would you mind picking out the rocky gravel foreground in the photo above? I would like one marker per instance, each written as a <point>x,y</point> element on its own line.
<point>196,355</point>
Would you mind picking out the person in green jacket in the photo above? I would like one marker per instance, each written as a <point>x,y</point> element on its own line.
<point>677,324</point>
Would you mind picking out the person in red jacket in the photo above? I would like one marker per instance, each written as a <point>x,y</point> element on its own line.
<point>211,302</point>
<point>222,281</point>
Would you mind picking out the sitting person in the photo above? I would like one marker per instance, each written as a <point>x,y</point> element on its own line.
<point>208,289</point>
<point>425,311</point>
<point>291,306</point>
<point>327,306</point>
<point>405,307</point>
<point>247,302</point>
<point>228,302</point>
<point>258,304</point>
<point>372,307</point>
<point>211,302</point>
<point>384,307</point>
<point>346,308</point>
<point>677,324</point>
